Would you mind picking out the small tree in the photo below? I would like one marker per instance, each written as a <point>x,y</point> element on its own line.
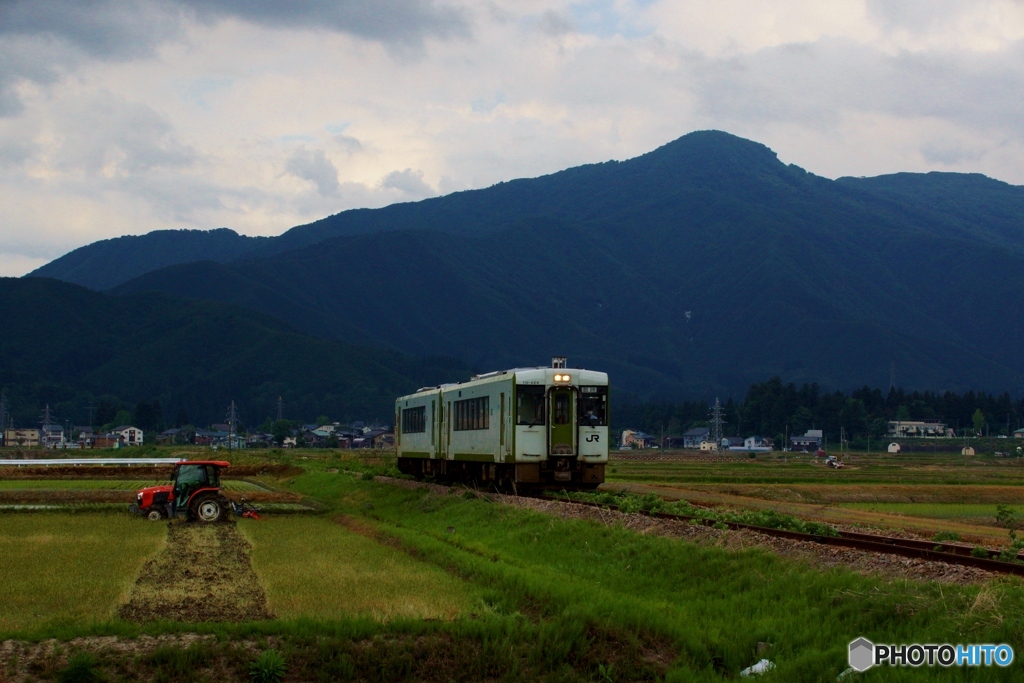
<point>979,421</point>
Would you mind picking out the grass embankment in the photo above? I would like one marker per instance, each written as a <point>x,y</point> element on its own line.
<point>316,568</point>
<point>705,607</point>
<point>58,570</point>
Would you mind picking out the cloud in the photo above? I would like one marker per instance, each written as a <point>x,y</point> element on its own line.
<point>408,182</point>
<point>314,166</point>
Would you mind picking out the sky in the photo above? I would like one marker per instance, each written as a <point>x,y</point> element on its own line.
<point>120,118</point>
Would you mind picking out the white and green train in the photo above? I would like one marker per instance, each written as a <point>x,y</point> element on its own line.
<point>523,427</point>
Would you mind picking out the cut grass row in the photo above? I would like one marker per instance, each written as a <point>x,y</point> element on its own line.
<point>106,485</point>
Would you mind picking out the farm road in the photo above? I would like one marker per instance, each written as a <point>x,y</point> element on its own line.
<point>203,574</point>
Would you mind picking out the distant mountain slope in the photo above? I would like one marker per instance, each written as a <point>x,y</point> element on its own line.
<point>694,269</point>
<point>194,355</point>
<point>107,263</point>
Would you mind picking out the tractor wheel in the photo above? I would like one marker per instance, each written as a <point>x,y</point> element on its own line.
<point>154,515</point>
<point>208,510</point>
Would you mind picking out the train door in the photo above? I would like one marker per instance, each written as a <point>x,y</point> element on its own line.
<point>445,435</point>
<point>562,422</point>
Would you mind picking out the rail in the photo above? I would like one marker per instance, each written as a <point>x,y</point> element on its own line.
<point>890,545</point>
<point>91,461</point>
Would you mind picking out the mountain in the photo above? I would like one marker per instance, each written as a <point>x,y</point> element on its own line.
<point>107,263</point>
<point>692,270</point>
<point>79,346</point>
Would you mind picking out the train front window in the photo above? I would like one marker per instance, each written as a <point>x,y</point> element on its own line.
<point>529,405</point>
<point>593,406</point>
<point>561,409</point>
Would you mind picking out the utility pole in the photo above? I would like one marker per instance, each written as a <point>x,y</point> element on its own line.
<point>91,409</point>
<point>280,409</point>
<point>232,419</point>
<point>3,410</point>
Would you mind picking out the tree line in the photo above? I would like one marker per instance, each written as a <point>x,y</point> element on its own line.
<point>774,408</point>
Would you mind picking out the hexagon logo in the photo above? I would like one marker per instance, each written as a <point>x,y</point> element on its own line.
<point>862,654</point>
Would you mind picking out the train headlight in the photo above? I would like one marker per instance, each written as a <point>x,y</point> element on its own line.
<point>561,378</point>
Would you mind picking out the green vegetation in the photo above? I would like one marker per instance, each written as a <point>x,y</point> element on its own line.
<point>318,568</point>
<point>269,667</point>
<point>211,354</point>
<point>106,485</point>
<point>60,570</point>
<point>651,503</point>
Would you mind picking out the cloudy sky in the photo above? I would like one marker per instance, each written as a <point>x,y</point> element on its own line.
<point>124,117</point>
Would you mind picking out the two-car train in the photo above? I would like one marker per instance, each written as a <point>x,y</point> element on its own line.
<point>527,427</point>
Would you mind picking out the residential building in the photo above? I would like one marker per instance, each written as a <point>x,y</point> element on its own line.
<point>919,429</point>
<point>130,436</point>
<point>692,438</point>
<point>637,439</point>
<point>807,443</point>
<point>732,442</point>
<point>1019,434</point>
<point>384,441</point>
<point>51,436</point>
<point>21,438</point>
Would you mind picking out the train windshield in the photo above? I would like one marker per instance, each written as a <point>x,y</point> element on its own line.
<point>529,405</point>
<point>593,410</point>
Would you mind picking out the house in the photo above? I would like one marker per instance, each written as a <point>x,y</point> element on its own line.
<point>807,443</point>
<point>52,436</point>
<point>692,438</point>
<point>732,442</point>
<point>130,436</point>
<point>754,444</point>
<point>637,439</point>
<point>260,440</point>
<point>919,429</point>
<point>313,439</point>
<point>1019,434</point>
<point>21,438</point>
<point>103,441</point>
<point>384,441</point>
<point>708,446</point>
<point>169,436</point>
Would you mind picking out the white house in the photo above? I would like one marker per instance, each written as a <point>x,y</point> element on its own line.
<point>130,436</point>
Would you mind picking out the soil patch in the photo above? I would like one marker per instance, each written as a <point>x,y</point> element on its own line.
<point>203,574</point>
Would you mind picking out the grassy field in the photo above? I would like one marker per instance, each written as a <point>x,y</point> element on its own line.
<point>318,568</point>
<point>392,583</point>
<point>69,569</point>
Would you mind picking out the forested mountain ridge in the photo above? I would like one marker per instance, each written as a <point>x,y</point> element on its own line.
<point>83,346</point>
<point>692,270</point>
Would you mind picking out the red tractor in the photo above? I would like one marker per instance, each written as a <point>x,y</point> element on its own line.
<point>195,494</point>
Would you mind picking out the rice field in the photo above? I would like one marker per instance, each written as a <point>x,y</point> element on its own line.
<point>979,513</point>
<point>317,568</point>
<point>58,569</point>
<point>108,485</point>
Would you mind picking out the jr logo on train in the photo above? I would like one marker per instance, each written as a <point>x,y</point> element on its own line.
<point>527,427</point>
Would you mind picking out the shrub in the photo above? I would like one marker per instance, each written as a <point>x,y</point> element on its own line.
<point>367,476</point>
<point>947,536</point>
<point>81,668</point>
<point>269,667</point>
<point>978,551</point>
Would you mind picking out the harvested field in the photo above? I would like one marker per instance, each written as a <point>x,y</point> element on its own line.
<point>149,473</point>
<point>203,574</point>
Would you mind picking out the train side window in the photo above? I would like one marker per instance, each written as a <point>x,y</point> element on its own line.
<point>472,413</point>
<point>593,406</point>
<point>414,420</point>
<point>561,409</point>
<point>529,405</point>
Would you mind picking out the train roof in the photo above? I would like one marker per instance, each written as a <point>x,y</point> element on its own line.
<point>530,374</point>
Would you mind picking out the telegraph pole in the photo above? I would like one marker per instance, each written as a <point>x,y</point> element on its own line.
<point>280,409</point>
<point>3,410</point>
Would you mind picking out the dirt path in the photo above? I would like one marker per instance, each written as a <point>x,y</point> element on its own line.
<point>203,574</point>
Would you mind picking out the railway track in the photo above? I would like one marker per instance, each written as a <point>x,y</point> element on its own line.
<point>949,553</point>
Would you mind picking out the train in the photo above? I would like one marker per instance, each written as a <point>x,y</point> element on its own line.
<point>535,427</point>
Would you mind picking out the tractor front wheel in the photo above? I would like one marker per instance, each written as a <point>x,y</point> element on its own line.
<point>208,510</point>
<point>154,515</point>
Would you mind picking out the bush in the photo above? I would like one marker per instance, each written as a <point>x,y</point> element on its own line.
<point>947,536</point>
<point>81,668</point>
<point>269,667</point>
<point>367,476</point>
<point>978,551</point>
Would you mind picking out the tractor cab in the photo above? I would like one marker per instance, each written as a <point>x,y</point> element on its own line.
<point>194,494</point>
